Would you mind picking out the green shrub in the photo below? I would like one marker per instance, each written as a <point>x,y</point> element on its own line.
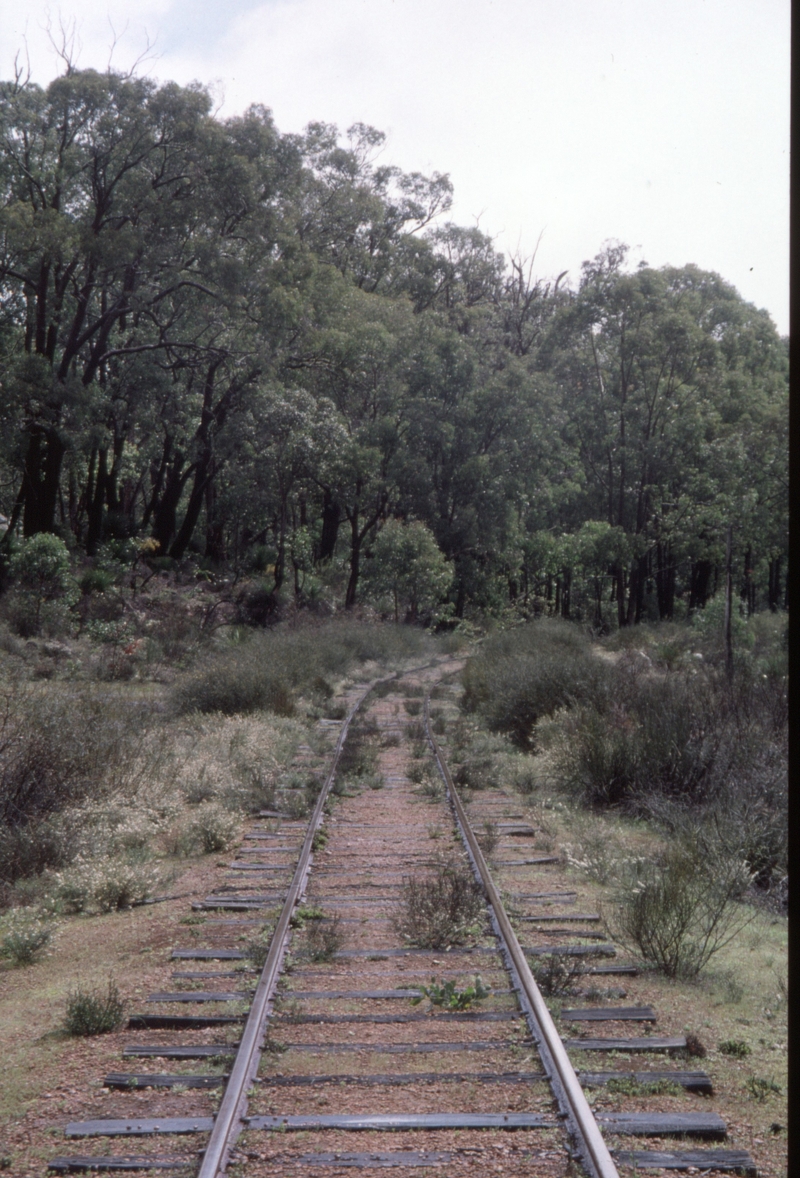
<point>735,1047</point>
<point>524,674</point>
<point>41,569</point>
<point>450,997</point>
<point>104,885</point>
<point>440,909</point>
<point>688,740</point>
<point>94,1012</point>
<point>679,909</point>
<point>96,581</point>
<point>215,829</point>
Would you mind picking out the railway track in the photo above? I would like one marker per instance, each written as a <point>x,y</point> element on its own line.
<point>343,1033</point>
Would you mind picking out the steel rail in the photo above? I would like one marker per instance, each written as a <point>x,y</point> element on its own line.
<point>583,1127</point>
<point>229,1118</point>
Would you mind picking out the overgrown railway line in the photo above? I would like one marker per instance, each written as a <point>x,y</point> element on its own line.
<point>318,1056</point>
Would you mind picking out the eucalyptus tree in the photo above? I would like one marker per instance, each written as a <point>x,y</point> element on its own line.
<point>99,192</point>
<point>660,388</point>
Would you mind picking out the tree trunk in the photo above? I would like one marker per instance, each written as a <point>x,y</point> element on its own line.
<point>775,584</point>
<point>355,558</point>
<point>165,515</point>
<point>665,582</point>
<point>94,505</point>
<point>331,515</point>
<point>215,538</point>
<point>619,582</point>
<point>40,480</point>
<point>203,473</point>
<point>699,584</point>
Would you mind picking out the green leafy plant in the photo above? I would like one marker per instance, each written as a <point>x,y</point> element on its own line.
<point>304,913</point>
<point>630,1086</point>
<point>94,1012</point>
<point>450,997</point>
<point>735,1047</point>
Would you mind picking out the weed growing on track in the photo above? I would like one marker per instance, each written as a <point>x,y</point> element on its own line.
<point>556,974</point>
<point>734,1047</point>
<point>760,1088</point>
<point>324,938</point>
<point>488,838</point>
<point>630,1086</point>
<point>94,1012</point>
<point>440,909</point>
<point>450,997</point>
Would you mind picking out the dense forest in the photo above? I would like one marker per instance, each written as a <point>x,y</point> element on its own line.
<point>273,354</point>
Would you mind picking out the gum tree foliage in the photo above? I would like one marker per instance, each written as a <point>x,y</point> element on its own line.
<point>235,341</point>
<point>407,565</point>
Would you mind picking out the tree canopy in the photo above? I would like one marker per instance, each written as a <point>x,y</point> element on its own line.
<point>273,351</point>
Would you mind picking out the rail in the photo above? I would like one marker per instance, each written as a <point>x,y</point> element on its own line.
<point>228,1120</point>
<point>583,1127</point>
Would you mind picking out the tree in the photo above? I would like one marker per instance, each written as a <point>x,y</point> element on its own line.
<point>657,381</point>
<point>407,564</point>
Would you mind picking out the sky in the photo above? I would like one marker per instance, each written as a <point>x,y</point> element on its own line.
<point>561,123</point>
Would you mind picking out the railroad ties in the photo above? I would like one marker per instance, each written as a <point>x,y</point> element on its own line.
<point>335,1057</point>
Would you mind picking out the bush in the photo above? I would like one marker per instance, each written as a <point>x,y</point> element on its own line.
<point>104,885</point>
<point>40,567</point>
<point>678,910</point>
<point>687,739</point>
<point>25,938</point>
<point>524,674</point>
<point>214,829</point>
<point>269,670</point>
<point>94,1012</point>
<point>440,909</point>
<point>55,751</point>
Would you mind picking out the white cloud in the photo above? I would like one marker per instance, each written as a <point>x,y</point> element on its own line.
<point>663,125</point>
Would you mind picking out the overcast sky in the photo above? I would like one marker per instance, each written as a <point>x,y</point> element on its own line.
<point>665,126</point>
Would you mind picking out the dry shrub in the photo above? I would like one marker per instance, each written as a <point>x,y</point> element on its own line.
<point>440,909</point>
<point>267,671</point>
<point>56,751</point>
<point>324,938</point>
<point>556,974</point>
